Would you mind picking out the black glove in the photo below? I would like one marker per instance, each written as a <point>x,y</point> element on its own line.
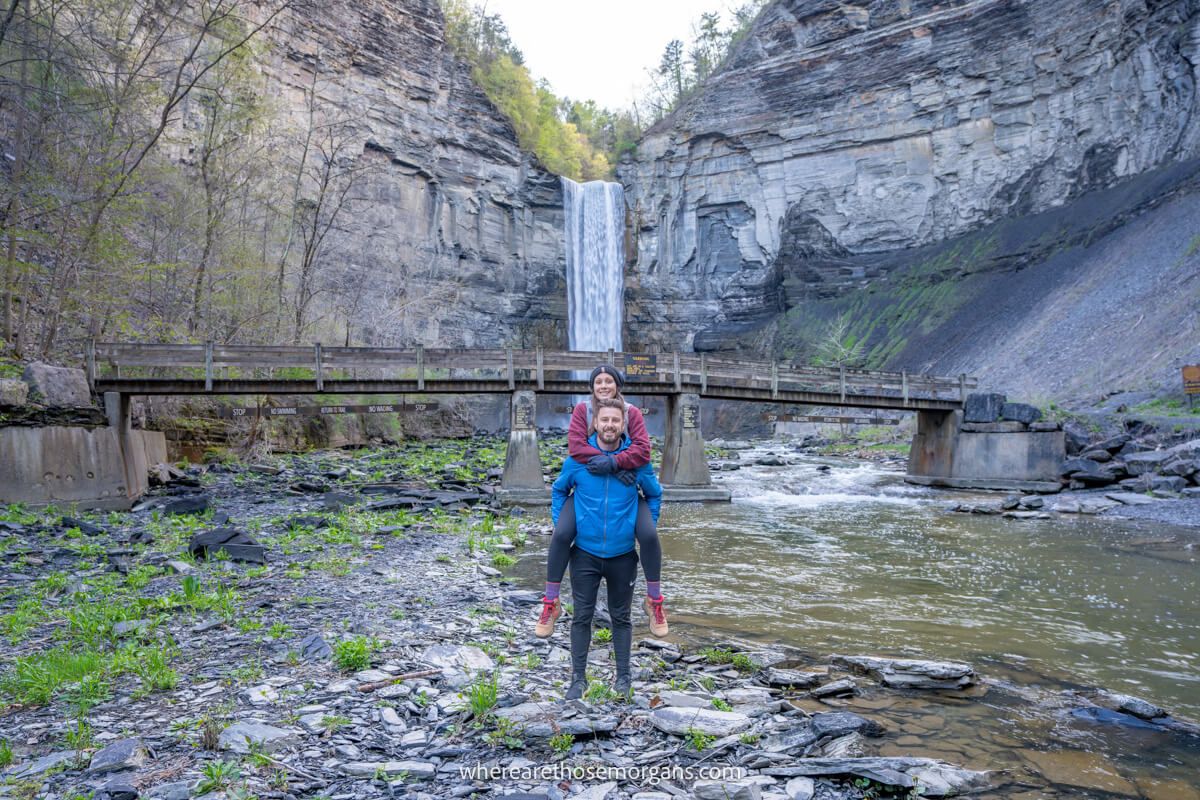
<point>627,477</point>
<point>602,465</point>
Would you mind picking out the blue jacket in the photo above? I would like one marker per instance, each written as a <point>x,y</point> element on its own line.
<point>605,508</point>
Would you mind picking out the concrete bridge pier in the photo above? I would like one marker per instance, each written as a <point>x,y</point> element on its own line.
<point>1004,455</point>
<point>685,474</point>
<point>522,479</point>
<point>117,407</point>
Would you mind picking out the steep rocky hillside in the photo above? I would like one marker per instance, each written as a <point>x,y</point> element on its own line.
<point>1002,188</point>
<point>456,236</point>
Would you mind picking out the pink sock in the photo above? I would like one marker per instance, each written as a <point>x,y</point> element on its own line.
<point>654,590</point>
<point>551,590</point>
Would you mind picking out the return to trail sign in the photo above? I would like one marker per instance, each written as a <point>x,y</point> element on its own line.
<point>1191,379</point>
<point>237,412</point>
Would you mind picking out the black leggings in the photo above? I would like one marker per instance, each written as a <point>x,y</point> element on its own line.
<point>564,535</point>
<point>619,572</point>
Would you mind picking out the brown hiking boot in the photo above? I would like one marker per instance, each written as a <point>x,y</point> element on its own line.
<point>658,616</point>
<point>545,624</point>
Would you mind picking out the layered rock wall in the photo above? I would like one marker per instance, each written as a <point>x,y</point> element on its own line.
<point>453,235</point>
<point>842,134</point>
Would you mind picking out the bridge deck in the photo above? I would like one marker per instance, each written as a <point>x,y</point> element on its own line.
<point>154,369</point>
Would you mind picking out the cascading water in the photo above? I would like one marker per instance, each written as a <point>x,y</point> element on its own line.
<point>594,236</point>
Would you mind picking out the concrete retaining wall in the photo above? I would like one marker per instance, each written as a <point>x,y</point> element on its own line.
<point>84,466</point>
<point>944,455</point>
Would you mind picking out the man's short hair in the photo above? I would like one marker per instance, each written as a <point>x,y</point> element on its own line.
<point>608,402</point>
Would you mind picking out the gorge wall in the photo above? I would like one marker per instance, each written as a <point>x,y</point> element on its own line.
<point>454,235</point>
<point>896,163</point>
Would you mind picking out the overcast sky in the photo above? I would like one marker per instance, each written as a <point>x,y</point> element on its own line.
<point>599,50</point>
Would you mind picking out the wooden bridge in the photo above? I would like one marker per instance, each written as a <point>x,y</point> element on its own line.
<point>120,370</point>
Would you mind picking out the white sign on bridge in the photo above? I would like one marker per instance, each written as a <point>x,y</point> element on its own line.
<point>833,420</point>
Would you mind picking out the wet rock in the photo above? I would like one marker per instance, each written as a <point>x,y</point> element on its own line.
<point>771,461</point>
<point>1105,716</point>
<point>852,745</point>
<point>743,789</point>
<point>1083,770</point>
<point>1010,503</point>
<point>794,678</point>
<point>238,546</point>
<point>912,673</point>
<point>1026,515</point>
<point>122,754</point>
<point>841,688</point>
<point>679,721</point>
<point>1083,505</point>
<point>239,737</point>
<point>1130,705</point>
<point>1032,501</point>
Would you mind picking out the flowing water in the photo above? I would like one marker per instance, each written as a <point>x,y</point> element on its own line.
<point>594,237</point>
<point>849,559</point>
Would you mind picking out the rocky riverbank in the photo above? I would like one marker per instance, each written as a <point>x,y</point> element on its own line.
<point>338,625</point>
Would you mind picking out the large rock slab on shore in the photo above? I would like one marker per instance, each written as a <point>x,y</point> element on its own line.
<point>57,387</point>
<point>905,673</point>
<point>710,721</point>
<point>835,724</point>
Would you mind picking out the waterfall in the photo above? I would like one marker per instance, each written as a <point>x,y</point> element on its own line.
<point>595,238</point>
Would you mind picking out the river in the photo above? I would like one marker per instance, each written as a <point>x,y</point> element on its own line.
<point>839,556</point>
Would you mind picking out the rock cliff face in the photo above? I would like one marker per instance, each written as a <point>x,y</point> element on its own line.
<point>845,135</point>
<point>455,236</point>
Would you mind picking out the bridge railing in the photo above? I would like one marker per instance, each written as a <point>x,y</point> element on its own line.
<point>677,371</point>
